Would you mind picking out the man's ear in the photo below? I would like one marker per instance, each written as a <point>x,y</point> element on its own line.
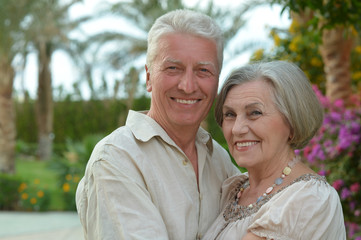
<point>148,82</point>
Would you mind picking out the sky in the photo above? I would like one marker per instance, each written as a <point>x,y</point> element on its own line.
<point>65,73</point>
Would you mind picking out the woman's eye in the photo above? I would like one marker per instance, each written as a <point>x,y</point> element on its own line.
<point>255,113</point>
<point>228,115</point>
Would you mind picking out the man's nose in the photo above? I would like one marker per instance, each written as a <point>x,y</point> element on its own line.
<point>188,82</point>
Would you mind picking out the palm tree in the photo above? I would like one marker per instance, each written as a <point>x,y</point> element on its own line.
<point>48,31</point>
<point>336,47</point>
<point>12,16</point>
<point>335,20</point>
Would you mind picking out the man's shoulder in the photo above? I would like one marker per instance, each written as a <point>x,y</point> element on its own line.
<point>219,150</point>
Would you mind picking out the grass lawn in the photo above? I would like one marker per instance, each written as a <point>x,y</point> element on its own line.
<point>32,170</point>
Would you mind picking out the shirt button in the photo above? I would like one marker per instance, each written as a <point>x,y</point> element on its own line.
<point>185,162</point>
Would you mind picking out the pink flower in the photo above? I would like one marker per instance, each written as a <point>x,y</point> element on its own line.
<point>357,213</point>
<point>355,187</point>
<point>337,184</point>
<point>345,193</point>
<point>322,172</point>
<point>338,103</point>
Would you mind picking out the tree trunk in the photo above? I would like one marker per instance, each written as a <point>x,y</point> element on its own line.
<point>336,53</point>
<point>7,118</point>
<point>44,106</point>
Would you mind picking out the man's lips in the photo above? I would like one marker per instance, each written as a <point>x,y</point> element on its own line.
<point>186,101</point>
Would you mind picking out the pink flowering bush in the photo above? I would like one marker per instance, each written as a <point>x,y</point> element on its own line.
<point>335,152</point>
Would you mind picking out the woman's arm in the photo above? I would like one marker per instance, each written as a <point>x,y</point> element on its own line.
<point>251,236</point>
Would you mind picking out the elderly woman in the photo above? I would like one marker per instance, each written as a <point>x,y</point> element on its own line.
<point>266,111</point>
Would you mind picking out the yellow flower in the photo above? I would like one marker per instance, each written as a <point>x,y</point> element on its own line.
<point>356,75</point>
<point>24,196</point>
<point>277,40</point>
<point>76,179</point>
<point>296,41</point>
<point>358,49</point>
<point>33,200</point>
<point>22,187</point>
<point>68,177</point>
<point>40,194</point>
<point>307,74</point>
<point>36,181</point>
<point>320,78</point>
<point>354,31</point>
<point>294,26</point>
<point>258,54</point>
<point>66,187</point>
<point>316,62</point>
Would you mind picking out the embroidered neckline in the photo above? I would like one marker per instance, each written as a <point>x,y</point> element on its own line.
<point>278,181</point>
<point>234,212</point>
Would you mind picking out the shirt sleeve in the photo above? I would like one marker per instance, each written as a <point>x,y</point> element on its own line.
<point>305,210</point>
<point>118,205</point>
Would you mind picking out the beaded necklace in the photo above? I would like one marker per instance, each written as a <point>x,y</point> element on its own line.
<point>286,171</point>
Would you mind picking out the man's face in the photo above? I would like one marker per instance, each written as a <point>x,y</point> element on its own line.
<point>183,80</point>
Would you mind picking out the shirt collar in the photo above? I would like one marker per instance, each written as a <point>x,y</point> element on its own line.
<point>144,128</point>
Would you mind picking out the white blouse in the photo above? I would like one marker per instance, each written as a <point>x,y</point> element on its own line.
<point>308,208</point>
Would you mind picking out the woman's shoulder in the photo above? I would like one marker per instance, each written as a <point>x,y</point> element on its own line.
<point>231,186</point>
<point>306,202</point>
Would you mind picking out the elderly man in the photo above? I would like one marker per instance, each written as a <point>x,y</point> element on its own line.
<point>160,175</point>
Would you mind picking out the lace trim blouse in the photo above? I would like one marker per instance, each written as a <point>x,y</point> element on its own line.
<point>307,208</point>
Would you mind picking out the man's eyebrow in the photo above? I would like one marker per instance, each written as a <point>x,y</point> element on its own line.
<point>202,63</point>
<point>171,60</point>
<point>207,64</point>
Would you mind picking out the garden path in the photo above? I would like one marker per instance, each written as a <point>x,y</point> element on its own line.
<point>40,226</point>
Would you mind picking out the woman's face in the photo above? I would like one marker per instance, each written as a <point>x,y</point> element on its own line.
<point>256,132</point>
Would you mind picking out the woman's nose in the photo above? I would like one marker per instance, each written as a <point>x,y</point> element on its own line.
<point>240,126</point>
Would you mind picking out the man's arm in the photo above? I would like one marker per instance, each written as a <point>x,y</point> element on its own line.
<point>118,205</point>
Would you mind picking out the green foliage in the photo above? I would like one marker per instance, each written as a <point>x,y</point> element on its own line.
<point>20,195</point>
<point>32,171</point>
<point>12,18</point>
<point>331,12</point>
<point>301,46</point>
<point>141,103</point>
<point>212,127</point>
<point>75,119</point>
<point>70,167</point>
<point>9,195</point>
<point>33,197</point>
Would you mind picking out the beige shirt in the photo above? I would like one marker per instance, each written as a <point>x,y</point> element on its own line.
<point>139,184</point>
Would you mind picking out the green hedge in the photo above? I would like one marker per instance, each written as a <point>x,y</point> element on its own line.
<point>75,119</point>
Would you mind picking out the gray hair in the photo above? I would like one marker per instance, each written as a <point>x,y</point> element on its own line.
<point>184,21</point>
<point>292,93</point>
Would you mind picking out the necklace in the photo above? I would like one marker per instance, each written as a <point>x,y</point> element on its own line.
<point>286,171</point>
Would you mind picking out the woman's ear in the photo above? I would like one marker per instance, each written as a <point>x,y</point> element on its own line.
<point>148,82</point>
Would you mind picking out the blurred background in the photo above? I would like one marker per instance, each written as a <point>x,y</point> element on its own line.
<point>70,70</point>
